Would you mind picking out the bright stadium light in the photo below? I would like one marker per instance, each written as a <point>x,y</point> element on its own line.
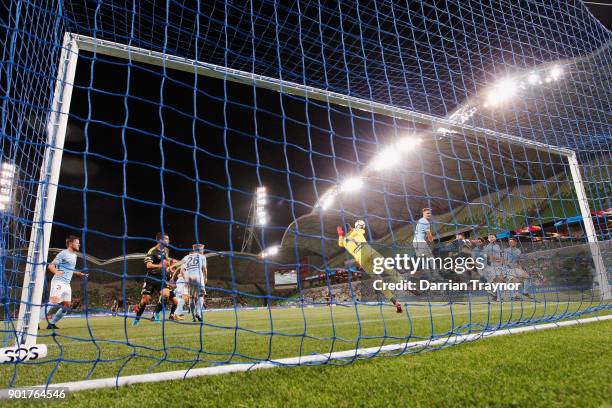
<point>260,206</point>
<point>555,73</point>
<point>387,158</point>
<point>326,202</point>
<point>351,185</point>
<point>533,79</point>
<point>407,144</point>
<point>501,92</point>
<point>7,177</point>
<point>507,86</point>
<point>270,251</point>
<point>5,201</point>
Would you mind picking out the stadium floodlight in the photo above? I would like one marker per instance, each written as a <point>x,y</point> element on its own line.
<point>407,144</point>
<point>260,206</point>
<point>351,185</point>
<point>533,78</point>
<point>501,92</point>
<point>387,158</point>
<point>270,251</point>
<point>327,201</point>
<point>4,202</point>
<point>7,177</point>
<point>555,73</point>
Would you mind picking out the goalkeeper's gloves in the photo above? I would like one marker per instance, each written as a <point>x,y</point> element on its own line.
<point>340,231</point>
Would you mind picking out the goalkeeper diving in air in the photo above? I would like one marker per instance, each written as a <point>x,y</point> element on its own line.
<point>355,243</point>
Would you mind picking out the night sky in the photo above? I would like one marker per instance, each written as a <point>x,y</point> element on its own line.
<point>602,10</point>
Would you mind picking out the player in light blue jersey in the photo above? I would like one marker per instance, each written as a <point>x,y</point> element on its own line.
<point>423,238</point>
<point>195,272</point>
<point>422,230</point>
<point>63,268</point>
<point>513,271</point>
<point>493,273</point>
<point>478,254</point>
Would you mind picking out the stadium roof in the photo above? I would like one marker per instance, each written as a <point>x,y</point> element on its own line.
<point>493,174</point>
<point>246,268</point>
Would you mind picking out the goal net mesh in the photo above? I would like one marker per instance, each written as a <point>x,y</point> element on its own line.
<point>265,131</point>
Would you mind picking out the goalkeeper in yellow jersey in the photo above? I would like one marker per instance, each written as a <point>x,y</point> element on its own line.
<point>356,244</point>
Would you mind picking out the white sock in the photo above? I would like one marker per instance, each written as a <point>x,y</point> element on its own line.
<point>200,306</point>
<point>179,307</point>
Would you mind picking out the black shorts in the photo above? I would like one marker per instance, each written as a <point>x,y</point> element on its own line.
<point>151,286</point>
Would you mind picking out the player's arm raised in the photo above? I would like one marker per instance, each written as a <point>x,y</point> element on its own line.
<point>341,238</point>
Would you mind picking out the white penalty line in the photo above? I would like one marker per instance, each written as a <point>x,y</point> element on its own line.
<point>304,360</point>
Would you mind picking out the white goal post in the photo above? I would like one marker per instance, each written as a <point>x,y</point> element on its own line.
<point>26,330</point>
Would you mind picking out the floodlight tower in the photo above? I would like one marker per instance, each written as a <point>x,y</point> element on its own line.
<point>7,207</point>
<point>257,218</point>
<point>8,210</point>
<point>7,178</point>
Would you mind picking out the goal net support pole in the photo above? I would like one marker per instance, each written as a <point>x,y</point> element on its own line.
<point>31,299</point>
<point>601,274</point>
<point>26,329</point>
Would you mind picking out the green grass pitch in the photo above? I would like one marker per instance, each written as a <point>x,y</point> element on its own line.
<point>501,371</point>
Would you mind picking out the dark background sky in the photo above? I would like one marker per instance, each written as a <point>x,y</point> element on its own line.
<point>602,9</point>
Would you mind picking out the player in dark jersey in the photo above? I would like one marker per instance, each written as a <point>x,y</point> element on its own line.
<point>156,262</point>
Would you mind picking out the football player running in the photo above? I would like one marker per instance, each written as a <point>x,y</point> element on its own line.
<point>157,261</point>
<point>63,268</point>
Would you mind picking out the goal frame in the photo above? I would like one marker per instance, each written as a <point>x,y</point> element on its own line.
<point>31,297</point>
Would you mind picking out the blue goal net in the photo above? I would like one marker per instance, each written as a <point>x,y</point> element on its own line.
<point>193,184</point>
